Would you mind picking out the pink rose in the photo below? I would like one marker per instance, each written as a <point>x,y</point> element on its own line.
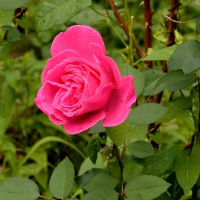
<point>81,85</point>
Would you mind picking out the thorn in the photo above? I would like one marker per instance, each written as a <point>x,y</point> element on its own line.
<point>142,3</point>
<point>146,25</point>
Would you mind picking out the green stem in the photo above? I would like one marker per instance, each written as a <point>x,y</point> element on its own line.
<point>117,153</point>
<point>118,34</point>
<point>139,60</point>
<point>104,15</point>
<point>43,197</point>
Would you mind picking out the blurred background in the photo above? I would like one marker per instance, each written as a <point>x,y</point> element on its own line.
<point>30,144</point>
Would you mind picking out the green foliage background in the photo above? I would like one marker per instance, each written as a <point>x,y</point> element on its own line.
<point>31,146</point>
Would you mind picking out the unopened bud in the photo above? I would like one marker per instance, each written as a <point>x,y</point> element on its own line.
<point>179,39</point>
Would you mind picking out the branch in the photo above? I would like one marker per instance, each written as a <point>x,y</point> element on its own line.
<point>174,4</point>
<point>178,22</point>
<point>124,26</point>
<point>147,28</point>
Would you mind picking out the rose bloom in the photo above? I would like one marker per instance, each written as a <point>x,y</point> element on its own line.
<point>81,85</point>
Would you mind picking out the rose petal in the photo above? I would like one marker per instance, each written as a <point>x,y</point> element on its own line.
<point>109,70</point>
<point>77,38</point>
<point>38,102</point>
<point>48,93</point>
<point>98,101</point>
<point>55,120</point>
<point>52,62</point>
<point>84,122</point>
<point>120,102</point>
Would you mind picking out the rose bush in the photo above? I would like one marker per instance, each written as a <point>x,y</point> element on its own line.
<point>81,85</point>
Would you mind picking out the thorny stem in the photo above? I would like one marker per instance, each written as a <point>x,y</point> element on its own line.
<point>174,4</point>
<point>120,161</point>
<point>124,25</point>
<point>148,33</point>
<point>147,28</point>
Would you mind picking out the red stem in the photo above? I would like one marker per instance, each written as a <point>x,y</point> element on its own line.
<point>124,25</point>
<point>147,28</point>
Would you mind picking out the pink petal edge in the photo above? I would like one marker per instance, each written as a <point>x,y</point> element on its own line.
<point>59,58</point>
<point>77,38</point>
<point>84,122</point>
<point>120,102</point>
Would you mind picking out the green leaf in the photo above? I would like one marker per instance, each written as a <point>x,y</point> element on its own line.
<point>195,155</point>
<point>175,190</point>
<point>40,157</point>
<point>18,188</point>
<point>132,169</point>
<point>29,169</point>
<point>175,80</point>
<point>161,54</point>
<point>164,196</point>
<point>141,149</point>
<point>151,78</point>
<point>5,50</point>
<point>136,133</point>
<point>42,178</point>
<point>146,113</point>
<point>93,148</point>
<point>85,178</point>
<point>6,106</point>
<point>87,164</point>
<point>4,123</point>
<point>102,193</point>
<point>118,133</point>
<point>139,79</point>
<point>135,197</point>
<point>50,12</point>
<point>176,108</point>
<point>25,22</point>
<point>88,16</point>
<point>13,33</point>
<point>186,57</point>
<point>114,168</point>
<point>197,22</point>
<point>148,187</point>
<point>156,137</point>
<point>6,17</point>
<point>12,4</point>
<point>12,77</point>
<point>101,180</point>
<point>158,163</point>
<point>97,128</point>
<point>187,169</point>
<point>62,179</point>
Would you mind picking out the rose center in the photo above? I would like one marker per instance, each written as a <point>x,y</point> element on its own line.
<point>71,90</point>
